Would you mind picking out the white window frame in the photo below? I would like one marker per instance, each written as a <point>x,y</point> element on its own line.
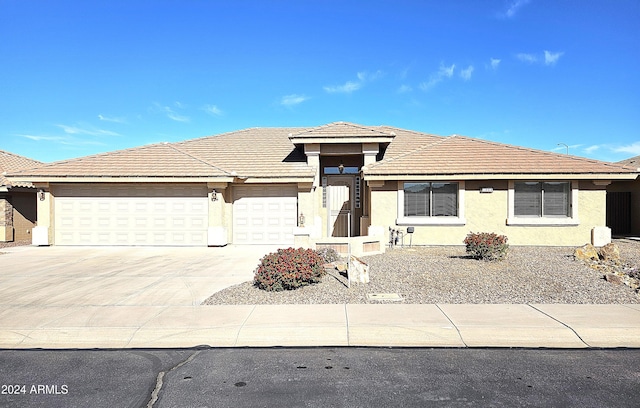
<point>437,220</point>
<point>572,219</point>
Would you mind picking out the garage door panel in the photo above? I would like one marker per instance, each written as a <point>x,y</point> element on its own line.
<point>143,217</point>
<point>264,214</point>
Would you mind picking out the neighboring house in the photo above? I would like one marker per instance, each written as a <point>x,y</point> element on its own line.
<point>17,199</point>
<point>306,186</point>
<point>623,203</point>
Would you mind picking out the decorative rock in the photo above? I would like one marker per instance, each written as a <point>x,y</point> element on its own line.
<point>359,271</point>
<point>586,252</point>
<point>613,278</point>
<point>610,253</point>
<point>341,266</point>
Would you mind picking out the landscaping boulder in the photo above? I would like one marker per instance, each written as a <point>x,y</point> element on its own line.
<point>359,271</point>
<point>586,253</point>
<point>610,253</point>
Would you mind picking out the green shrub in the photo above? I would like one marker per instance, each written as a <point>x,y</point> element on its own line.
<point>487,246</point>
<point>328,254</point>
<point>288,269</point>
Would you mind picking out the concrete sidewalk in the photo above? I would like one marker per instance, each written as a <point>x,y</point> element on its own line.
<point>388,325</point>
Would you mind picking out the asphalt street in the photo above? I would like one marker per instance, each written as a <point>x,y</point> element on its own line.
<point>320,377</point>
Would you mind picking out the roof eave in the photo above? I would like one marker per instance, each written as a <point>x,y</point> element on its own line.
<point>123,179</point>
<point>296,140</point>
<point>503,176</point>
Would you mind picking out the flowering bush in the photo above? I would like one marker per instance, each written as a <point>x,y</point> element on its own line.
<point>288,269</point>
<point>487,246</point>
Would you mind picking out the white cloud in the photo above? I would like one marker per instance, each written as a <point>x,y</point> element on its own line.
<point>65,140</point>
<point>632,149</point>
<point>112,119</point>
<point>437,77</point>
<point>404,89</point>
<point>177,118</point>
<point>495,63</point>
<point>591,149</point>
<point>530,58</point>
<point>351,86</point>
<point>514,7</point>
<point>293,99</point>
<point>213,110</point>
<point>86,130</point>
<point>169,112</point>
<point>367,77</point>
<point>348,87</point>
<point>466,73</point>
<point>550,58</point>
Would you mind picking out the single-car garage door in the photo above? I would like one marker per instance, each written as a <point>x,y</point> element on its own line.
<point>120,214</point>
<point>264,214</point>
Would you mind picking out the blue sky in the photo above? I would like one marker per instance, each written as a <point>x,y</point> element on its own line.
<point>84,77</point>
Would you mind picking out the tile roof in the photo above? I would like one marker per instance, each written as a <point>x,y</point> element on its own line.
<point>257,152</point>
<point>466,156</point>
<point>10,163</point>
<point>631,162</point>
<point>269,153</point>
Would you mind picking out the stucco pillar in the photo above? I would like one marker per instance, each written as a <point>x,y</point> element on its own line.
<point>42,233</point>
<point>308,199</point>
<point>312,150</point>
<point>218,228</point>
<point>370,152</point>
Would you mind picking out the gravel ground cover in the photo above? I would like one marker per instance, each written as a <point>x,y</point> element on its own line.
<point>447,275</point>
<point>14,244</point>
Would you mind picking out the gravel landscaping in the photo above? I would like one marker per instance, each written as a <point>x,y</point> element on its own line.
<point>14,244</point>
<point>447,275</point>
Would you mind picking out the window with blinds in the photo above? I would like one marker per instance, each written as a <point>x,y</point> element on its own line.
<point>430,199</point>
<point>542,199</point>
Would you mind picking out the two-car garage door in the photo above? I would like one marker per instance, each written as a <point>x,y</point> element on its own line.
<point>119,214</point>
<point>171,215</point>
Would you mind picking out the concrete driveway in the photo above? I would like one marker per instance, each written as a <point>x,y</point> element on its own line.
<point>121,276</point>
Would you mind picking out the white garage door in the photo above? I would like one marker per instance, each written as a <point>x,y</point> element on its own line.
<point>264,214</point>
<point>119,214</point>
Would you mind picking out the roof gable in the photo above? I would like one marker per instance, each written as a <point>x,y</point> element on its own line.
<point>342,132</point>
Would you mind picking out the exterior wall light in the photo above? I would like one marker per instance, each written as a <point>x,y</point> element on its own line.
<point>41,195</point>
<point>214,195</point>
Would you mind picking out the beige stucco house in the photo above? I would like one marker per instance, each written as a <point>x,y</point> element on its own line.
<point>315,186</point>
<point>17,199</point>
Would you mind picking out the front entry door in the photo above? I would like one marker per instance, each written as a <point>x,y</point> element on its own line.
<point>340,206</point>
